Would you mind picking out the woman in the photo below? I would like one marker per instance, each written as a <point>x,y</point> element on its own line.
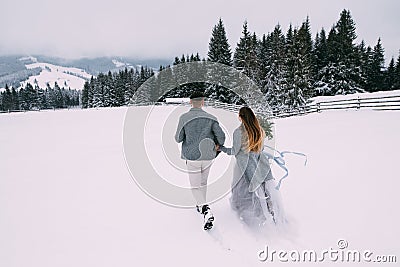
<point>254,196</point>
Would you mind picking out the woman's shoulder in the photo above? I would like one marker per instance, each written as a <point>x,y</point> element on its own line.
<point>239,133</point>
<point>238,130</point>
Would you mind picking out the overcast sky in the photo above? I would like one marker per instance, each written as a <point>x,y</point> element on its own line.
<point>166,28</point>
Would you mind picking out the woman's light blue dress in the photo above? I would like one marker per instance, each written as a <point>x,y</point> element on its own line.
<point>254,196</point>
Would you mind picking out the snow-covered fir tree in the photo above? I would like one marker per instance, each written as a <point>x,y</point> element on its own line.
<point>34,98</point>
<point>342,74</point>
<point>114,89</point>
<point>299,71</point>
<point>171,76</point>
<point>218,48</point>
<point>376,64</point>
<point>6,101</point>
<point>390,76</point>
<point>274,81</point>
<point>245,56</point>
<point>320,52</point>
<point>220,52</point>
<point>396,82</point>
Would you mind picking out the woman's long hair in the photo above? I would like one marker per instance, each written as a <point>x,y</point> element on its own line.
<point>255,134</point>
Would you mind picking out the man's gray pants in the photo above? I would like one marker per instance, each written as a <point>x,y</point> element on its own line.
<point>198,171</point>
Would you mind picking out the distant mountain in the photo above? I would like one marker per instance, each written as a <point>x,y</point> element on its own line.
<point>13,70</point>
<point>104,64</point>
<point>17,70</point>
<point>67,77</point>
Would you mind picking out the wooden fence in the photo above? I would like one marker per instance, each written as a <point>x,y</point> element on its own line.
<point>374,103</point>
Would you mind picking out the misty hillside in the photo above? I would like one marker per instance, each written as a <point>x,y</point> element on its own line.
<point>20,69</point>
<point>103,64</point>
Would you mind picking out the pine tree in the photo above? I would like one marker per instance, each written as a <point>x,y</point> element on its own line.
<point>166,81</point>
<point>390,76</point>
<point>7,99</point>
<point>27,97</point>
<point>121,84</point>
<point>276,71</point>
<point>320,52</point>
<point>362,60</point>
<point>59,98</point>
<point>98,91</point>
<point>396,84</point>
<point>48,95</point>
<point>171,76</point>
<point>15,99</point>
<point>299,75</point>
<point>21,97</point>
<point>253,59</point>
<point>109,94</point>
<point>40,98</point>
<point>85,95</point>
<point>342,74</point>
<point>332,46</point>
<point>245,53</point>
<point>376,67</point>
<point>348,52</point>
<point>263,56</point>
<point>90,93</point>
<point>131,86</point>
<point>1,101</point>
<point>346,35</point>
<point>219,49</point>
<point>177,61</point>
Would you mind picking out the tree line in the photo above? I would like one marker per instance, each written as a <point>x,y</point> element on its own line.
<point>35,98</point>
<point>114,89</point>
<point>289,67</point>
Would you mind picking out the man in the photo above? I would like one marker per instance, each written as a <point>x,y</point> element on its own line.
<point>200,135</point>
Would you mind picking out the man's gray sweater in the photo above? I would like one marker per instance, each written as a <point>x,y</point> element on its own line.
<point>199,132</point>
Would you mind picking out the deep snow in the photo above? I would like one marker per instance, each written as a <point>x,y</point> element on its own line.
<point>67,199</point>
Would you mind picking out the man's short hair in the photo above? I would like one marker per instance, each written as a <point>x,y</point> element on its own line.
<point>197,95</point>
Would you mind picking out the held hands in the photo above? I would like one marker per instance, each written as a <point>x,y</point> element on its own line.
<point>218,148</point>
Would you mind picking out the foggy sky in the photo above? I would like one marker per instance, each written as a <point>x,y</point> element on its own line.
<point>167,28</point>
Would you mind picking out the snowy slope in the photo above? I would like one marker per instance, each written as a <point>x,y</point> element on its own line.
<point>120,64</point>
<point>28,59</point>
<point>66,77</point>
<point>17,69</point>
<point>67,199</point>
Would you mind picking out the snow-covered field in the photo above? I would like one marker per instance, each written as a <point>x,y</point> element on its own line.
<point>67,198</point>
